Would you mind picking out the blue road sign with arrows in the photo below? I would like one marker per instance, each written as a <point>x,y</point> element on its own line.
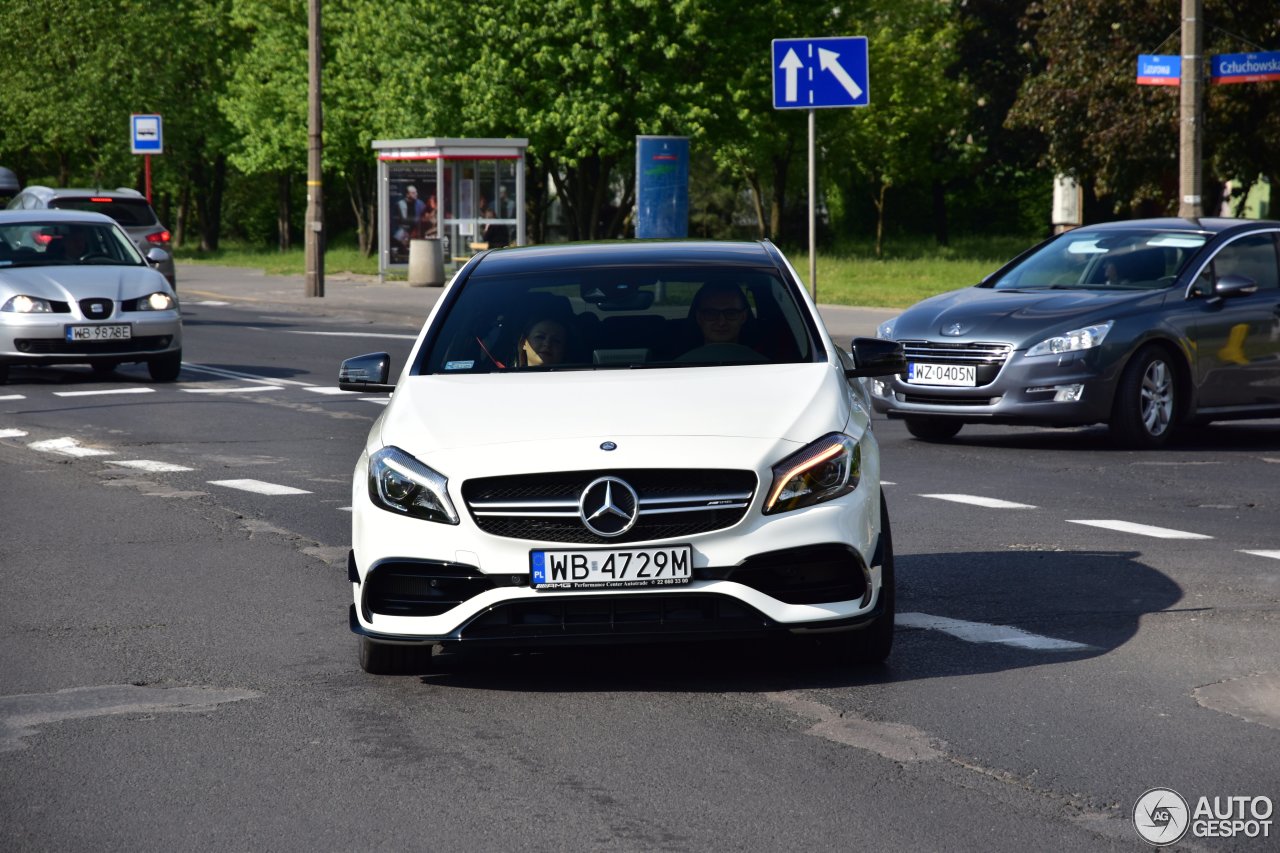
<point>820,73</point>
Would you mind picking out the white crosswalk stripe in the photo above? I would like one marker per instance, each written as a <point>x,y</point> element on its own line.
<point>67,447</point>
<point>259,487</point>
<point>981,632</point>
<point>150,465</point>
<point>977,500</point>
<point>1139,529</point>
<point>103,392</point>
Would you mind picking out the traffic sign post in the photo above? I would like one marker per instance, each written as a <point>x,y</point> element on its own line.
<point>146,137</point>
<point>819,73</point>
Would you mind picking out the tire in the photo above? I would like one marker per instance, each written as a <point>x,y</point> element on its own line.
<point>1146,402</point>
<point>165,368</point>
<point>387,659</point>
<point>4,373</point>
<point>872,644</point>
<point>933,429</point>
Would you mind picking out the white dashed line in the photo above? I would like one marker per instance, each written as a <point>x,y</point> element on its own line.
<point>13,397</point>
<point>244,390</point>
<point>1139,529</point>
<point>344,509</point>
<point>351,334</point>
<point>105,391</point>
<point>981,632</point>
<point>248,377</point>
<point>975,500</point>
<point>151,465</point>
<point>12,433</point>
<point>333,392</point>
<point>67,447</point>
<point>209,302</point>
<point>1275,555</point>
<point>259,487</point>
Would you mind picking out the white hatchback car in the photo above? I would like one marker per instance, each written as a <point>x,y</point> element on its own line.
<point>647,441</point>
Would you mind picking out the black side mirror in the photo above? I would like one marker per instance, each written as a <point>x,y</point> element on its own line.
<point>876,357</point>
<point>366,374</point>
<point>1234,285</point>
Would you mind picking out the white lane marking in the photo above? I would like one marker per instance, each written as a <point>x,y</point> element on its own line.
<point>351,334</point>
<point>344,509</point>
<point>259,487</point>
<point>240,390</point>
<point>981,632</point>
<point>12,433</point>
<point>106,391</point>
<point>333,392</point>
<point>1140,529</point>
<point>976,500</point>
<point>1275,555</point>
<point>13,397</point>
<point>381,401</point>
<point>151,465</point>
<point>211,302</point>
<point>248,377</point>
<point>887,483</point>
<point>67,447</point>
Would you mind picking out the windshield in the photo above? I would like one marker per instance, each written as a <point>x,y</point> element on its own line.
<point>619,318</point>
<point>1092,260</point>
<point>35,243</point>
<point>131,213</point>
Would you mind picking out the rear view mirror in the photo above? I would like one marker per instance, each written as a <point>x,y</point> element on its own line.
<point>876,357</point>
<point>366,373</point>
<point>156,257</point>
<point>1234,285</point>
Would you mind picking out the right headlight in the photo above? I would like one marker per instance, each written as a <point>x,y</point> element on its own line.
<point>1073,341</point>
<point>885,329</point>
<point>826,469</point>
<point>22,304</point>
<point>402,484</point>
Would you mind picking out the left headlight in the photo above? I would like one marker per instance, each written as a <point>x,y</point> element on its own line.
<point>158,301</point>
<point>1073,341</point>
<point>402,484</point>
<point>826,469</point>
<point>885,329</point>
<point>22,304</point>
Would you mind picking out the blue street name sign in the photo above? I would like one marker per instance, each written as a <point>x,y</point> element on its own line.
<point>1159,69</point>
<point>818,73</point>
<point>146,135</point>
<point>1246,67</point>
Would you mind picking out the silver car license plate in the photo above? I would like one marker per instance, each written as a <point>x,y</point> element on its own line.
<point>114,332</point>
<point>611,568</point>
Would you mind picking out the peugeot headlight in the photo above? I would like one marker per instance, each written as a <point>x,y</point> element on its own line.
<point>400,483</point>
<point>21,304</point>
<point>1073,341</point>
<point>885,329</point>
<point>826,469</point>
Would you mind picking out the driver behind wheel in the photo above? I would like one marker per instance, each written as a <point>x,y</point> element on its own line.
<point>720,310</point>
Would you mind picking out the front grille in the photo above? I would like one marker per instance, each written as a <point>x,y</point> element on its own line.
<point>58,346</point>
<point>673,503</point>
<point>926,400</point>
<point>648,615</point>
<point>987,358</point>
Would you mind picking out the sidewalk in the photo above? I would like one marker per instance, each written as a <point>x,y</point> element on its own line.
<point>365,299</point>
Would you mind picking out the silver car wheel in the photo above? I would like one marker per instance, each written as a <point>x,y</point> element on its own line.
<point>1157,398</point>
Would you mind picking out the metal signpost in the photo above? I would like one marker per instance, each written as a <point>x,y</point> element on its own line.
<point>819,73</point>
<point>146,137</point>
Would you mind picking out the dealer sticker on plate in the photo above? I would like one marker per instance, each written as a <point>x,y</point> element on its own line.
<point>962,375</point>
<point>612,568</point>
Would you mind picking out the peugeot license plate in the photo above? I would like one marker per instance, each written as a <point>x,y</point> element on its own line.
<point>115,332</point>
<point>962,375</point>
<point>611,568</point>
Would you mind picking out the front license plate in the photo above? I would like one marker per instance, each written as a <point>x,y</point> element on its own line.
<point>611,569</point>
<point>121,332</point>
<point>963,375</point>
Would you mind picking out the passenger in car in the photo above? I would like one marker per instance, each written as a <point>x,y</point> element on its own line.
<point>545,342</point>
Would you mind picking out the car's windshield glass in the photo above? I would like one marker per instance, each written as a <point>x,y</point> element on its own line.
<point>619,318</point>
<point>37,243</point>
<point>131,213</point>
<point>1092,260</point>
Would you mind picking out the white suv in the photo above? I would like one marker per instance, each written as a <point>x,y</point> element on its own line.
<point>620,442</point>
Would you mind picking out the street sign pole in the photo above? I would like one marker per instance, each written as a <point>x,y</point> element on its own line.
<point>813,216</point>
<point>1190,204</point>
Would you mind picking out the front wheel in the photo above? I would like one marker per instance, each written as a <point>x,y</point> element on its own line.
<point>933,429</point>
<point>1146,401</point>
<point>165,368</point>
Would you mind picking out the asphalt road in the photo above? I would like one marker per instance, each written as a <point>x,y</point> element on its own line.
<point>176,671</point>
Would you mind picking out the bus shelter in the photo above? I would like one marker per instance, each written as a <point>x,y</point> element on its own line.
<point>467,194</point>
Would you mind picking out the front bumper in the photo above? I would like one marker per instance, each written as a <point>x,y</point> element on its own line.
<point>41,338</point>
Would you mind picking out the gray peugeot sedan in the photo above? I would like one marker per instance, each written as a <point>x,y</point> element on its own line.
<point>1142,325</point>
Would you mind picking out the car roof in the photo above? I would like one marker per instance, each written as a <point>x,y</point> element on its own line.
<point>53,215</point>
<point>626,253</point>
<point>85,192</point>
<point>1207,224</point>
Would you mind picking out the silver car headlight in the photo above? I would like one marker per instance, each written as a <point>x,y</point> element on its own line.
<point>402,484</point>
<point>826,469</point>
<point>158,301</point>
<point>1073,341</point>
<point>885,329</point>
<point>22,304</point>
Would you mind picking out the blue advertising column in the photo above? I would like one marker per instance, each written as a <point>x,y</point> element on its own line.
<point>662,186</point>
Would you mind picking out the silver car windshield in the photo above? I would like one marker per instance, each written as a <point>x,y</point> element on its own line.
<point>45,243</point>
<point>620,318</point>
<point>1096,260</point>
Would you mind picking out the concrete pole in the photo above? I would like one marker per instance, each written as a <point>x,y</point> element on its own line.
<point>813,216</point>
<point>315,150</point>
<point>1191,112</point>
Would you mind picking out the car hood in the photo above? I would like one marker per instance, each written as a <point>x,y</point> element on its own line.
<point>531,420</point>
<point>69,284</point>
<point>1013,316</point>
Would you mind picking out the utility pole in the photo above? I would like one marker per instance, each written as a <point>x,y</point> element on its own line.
<point>1191,111</point>
<point>315,150</point>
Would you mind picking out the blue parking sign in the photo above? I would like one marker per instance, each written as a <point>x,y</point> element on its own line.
<point>820,73</point>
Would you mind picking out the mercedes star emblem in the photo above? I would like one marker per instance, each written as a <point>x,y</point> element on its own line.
<point>608,507</point>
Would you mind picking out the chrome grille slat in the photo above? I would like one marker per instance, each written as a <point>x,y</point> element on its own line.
<point>956,353</point>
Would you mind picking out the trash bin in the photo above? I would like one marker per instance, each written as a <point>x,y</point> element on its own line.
<point>426,262</point>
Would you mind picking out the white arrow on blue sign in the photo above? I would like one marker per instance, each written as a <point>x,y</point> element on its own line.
<point>818,73</point>
<point>145,134</point>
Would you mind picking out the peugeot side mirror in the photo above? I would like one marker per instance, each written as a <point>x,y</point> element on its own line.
<point>876,357</point>
<point>366,374</point>
<point>1234,285</point>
